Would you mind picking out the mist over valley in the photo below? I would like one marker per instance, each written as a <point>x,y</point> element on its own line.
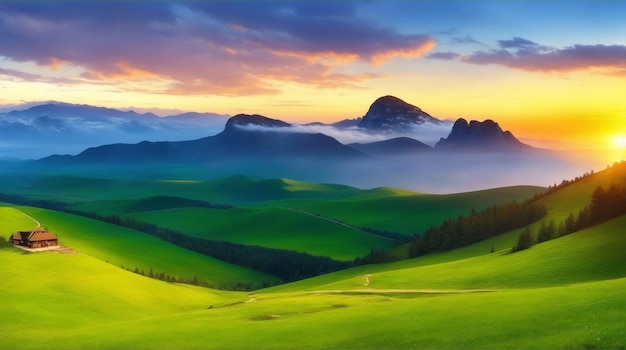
<point>395,144</point>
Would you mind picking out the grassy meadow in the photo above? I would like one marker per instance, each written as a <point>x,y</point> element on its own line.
<point>408,213</point>
<point>281,228</point>
<point>132,249</point>
<point>566,293</point>
<point>319,219</point>
<point>403,307</point>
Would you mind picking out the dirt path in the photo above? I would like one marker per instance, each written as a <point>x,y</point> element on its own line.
<point>335,221</point>
<point>405,291</point>
<point>367,279</point>
<point>251,300</point>
<point>32,218</point>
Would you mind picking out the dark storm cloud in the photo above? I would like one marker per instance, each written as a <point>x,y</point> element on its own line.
<point>217,47</point>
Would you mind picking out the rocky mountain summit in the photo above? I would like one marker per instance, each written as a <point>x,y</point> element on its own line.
<point>480,136</point>
<point>252,122</point>
<point>390,113</point>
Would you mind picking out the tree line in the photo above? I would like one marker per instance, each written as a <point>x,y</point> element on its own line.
<point>477,226</point>
<point>606,204</point>
<point>162,276</point>
<point>288,265</point>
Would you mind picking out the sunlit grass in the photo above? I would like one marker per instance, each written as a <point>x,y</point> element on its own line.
<point>143,313</point>
<point>129,248</point>
<point>280,228</point>
<point>564,293</point>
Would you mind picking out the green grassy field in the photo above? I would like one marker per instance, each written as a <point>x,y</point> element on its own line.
<point>124,247</point>
<point>404,307</point>
<point>234,190</point>
<point>266,215</point>
<point>566,293</point>
<point>280,228</point>
<point>407,213</point>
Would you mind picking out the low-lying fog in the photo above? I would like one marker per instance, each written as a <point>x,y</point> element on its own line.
<point>439,173</point>
<point>432,172</point>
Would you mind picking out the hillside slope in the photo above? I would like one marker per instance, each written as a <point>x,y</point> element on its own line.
<point>280,228</point>
<point>564,293</point>
<point>229,190</point>
<point>132,249</point>
<point>524,308</point>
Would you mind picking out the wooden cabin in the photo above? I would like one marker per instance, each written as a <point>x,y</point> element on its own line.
<point>37,238</point>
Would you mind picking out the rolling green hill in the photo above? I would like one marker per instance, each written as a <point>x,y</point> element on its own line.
<point>573,197</point>
<point>132,249</point>
<point>563,293</point>
<point>319,219</point>
<point>233,190</point>
<point>520,306</point>
<point>408,213</point>
<point>125,206</point>
<point>280,228</point>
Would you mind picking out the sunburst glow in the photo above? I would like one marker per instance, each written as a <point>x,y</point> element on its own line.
<point>619,141</point>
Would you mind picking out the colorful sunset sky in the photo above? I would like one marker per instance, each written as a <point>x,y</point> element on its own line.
<point>552,72</point>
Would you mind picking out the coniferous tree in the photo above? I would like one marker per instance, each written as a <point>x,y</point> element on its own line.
<point>546,232</point>
<point>570,224</point>
<point>525,239</point>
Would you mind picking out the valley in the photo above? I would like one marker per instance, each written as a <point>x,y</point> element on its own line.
<point>338,174</point>
<point>560,293</point>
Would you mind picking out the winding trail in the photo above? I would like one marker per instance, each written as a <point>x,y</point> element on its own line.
<point>32,218</point>
<point>371,291</point>
<point>335,221</point>
<point>367,279</point>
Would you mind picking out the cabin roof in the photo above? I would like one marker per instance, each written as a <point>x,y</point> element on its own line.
<point>42,236</point>
<point>38,234</point>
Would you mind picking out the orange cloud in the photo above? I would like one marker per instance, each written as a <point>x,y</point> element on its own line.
<point>122,71</point>
<point>328,57</point>
<point>383,57</point>
<point>55,63</point>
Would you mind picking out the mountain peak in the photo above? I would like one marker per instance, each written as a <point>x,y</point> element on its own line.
<point>246,120</point>
<point>477,135</point>
<point>391,100</point>
<point>389,113</point>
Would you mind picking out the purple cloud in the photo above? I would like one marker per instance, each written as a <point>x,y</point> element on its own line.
<point>217,47</point>
<point>446,56</point>
<point>517,43</point>
<point>17,75</point>
<point>524,54</point>
<point>466,40</point>
<point>537,58</point>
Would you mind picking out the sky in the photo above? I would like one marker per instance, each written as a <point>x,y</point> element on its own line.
<point>553,72</point>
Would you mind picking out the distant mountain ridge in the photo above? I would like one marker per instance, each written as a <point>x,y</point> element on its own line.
<point>66,128</point>
<point>63,128</point>
<point>244,137</point>
<point>392,147</point>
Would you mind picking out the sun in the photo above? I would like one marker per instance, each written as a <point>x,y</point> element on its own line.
<point>619,141</point>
